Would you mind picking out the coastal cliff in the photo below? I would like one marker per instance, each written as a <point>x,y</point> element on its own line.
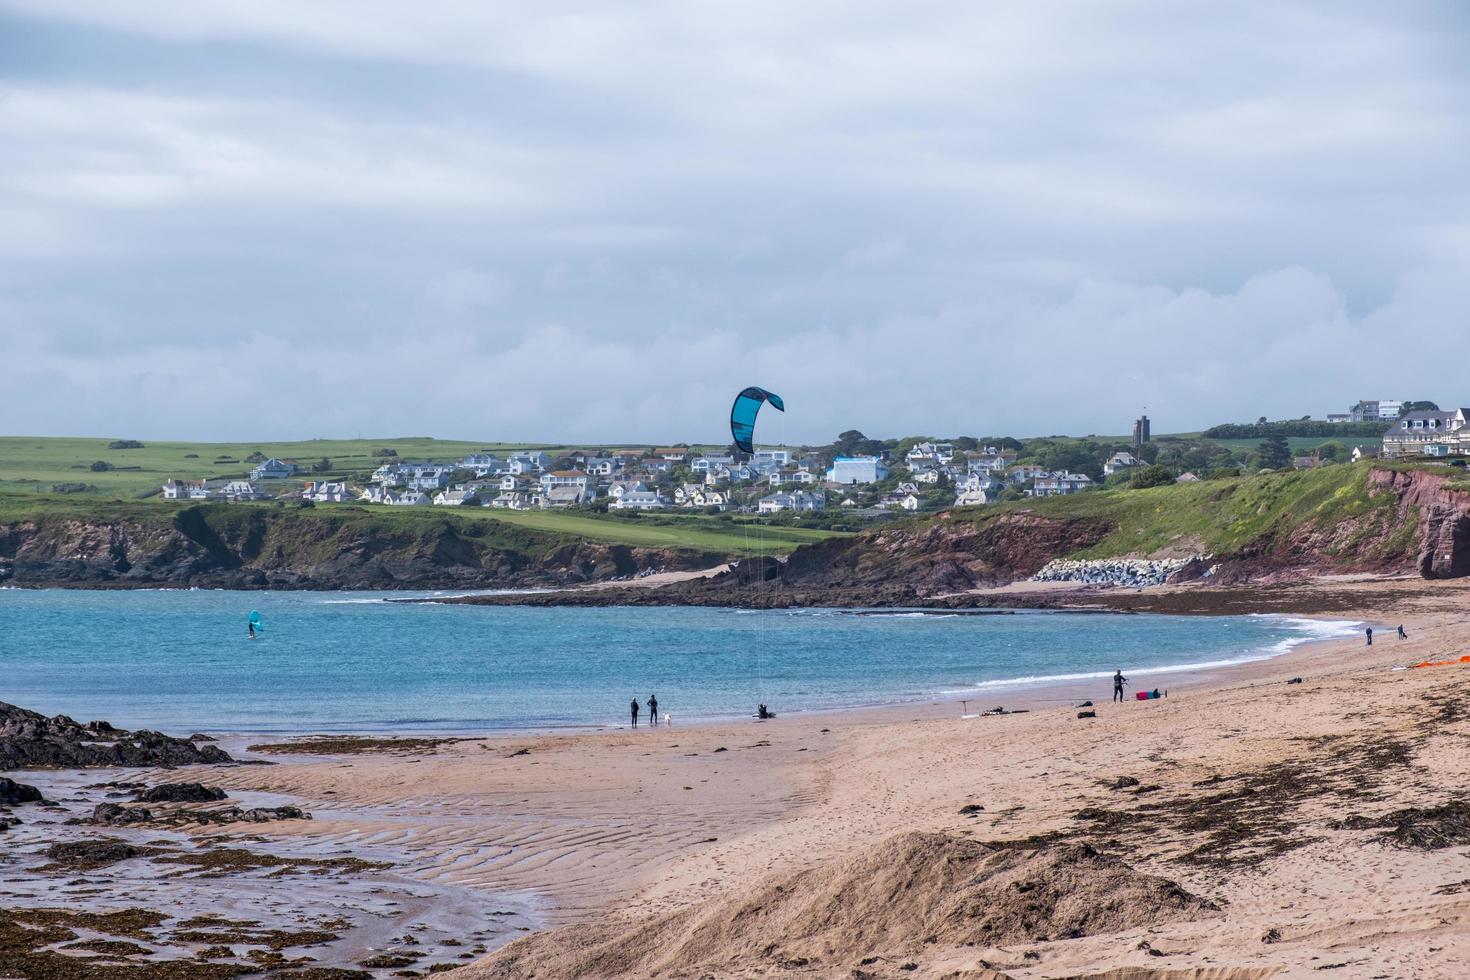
<point>221,546</point>
<point>1276,527</point>
<point>1270,529</point>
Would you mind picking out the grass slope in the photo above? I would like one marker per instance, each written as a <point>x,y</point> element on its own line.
<point>1218,516</point>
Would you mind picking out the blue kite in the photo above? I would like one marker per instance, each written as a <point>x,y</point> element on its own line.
<point>742,415</point>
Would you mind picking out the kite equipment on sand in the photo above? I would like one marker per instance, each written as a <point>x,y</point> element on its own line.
<point>742,415</point>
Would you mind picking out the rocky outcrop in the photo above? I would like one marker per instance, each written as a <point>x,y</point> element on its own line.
<point>224,546</point>
<point>117,815</point>
<point>29,740</point>
<point>14,794</point>
<point>179,793</point>
<point>1123,572</point>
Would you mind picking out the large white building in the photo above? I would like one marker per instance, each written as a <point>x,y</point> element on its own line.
<point>857,469</point>
<point>797,500</point>
<point>1373,411</point>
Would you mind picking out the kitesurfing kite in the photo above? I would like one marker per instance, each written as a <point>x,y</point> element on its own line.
<point>743,412</point>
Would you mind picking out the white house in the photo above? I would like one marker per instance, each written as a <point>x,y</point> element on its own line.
<point>1060,484</point>
<point>604,466</point>
<point>801,501</point>
<point>408,498</point>
<point>191,489</point>
<point>242,490</point>
<point>327,491</point>
<point>903,501</point>
<point>516,500</point>
<point>455,498</point>
<point>932,452</point>
<point>428,477</point>
<point>618,489</point>
<point>527,463</point>
<point>976,497</point>
<point>564,496</point>
<point>706,463</point>
<point>564,478</point>
<point>274,469</point>
<point>1025,473</point>
<point>483,464</point>
<point>856,469</point>
<point>1120,461</point>
<point>640,500</point>
<point>705,497</point>
<point>772,457</point>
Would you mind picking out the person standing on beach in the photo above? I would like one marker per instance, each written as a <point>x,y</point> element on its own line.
<point>633,707</point>
<point>1118,681</point>
<point>1369,633</point>
<point>1402,634</point>
<point>653,710</point>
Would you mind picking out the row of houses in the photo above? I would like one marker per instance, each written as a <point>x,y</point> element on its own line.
<point>1438,433</point>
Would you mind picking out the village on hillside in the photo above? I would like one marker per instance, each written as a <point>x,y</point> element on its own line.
<point>917,475</point>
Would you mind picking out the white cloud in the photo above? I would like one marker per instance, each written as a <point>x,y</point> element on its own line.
<point>933,217</point>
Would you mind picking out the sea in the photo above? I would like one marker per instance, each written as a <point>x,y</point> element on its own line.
<point>181,661</point>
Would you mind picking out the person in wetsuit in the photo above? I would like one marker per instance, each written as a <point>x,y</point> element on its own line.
<point>653,710</point>
<point>1118,681</point>
<point>633,707</point>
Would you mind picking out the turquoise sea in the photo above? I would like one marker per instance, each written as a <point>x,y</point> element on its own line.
<point>180,661</point>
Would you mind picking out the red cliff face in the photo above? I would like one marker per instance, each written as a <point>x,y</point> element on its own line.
<point>1444,518</point>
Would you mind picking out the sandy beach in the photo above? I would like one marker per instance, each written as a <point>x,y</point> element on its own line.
<point>1270,804</point>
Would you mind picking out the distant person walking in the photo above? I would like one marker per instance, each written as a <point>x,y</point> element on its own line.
<point>1118,681</point>
<point>1369,633</point>
<point>653,710</point>
<point>633,707</point>
<point>1402,634</point>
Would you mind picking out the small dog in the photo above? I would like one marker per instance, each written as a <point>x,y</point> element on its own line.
<point>668,720</point>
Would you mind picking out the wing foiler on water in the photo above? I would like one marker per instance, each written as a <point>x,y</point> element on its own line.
<point>742,415</point>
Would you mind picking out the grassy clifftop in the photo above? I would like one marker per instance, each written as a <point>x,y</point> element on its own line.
<point>1225,516</point>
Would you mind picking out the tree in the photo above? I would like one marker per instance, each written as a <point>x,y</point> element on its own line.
<point>322,465</point>
<point>1331,452</point>
<point>101,466</point>
<point>1410,406</point>
<point>385,453</point>
<point>1274,452</point>
<point>1151,476</point>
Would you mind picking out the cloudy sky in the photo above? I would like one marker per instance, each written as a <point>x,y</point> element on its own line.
<point>592,221</point>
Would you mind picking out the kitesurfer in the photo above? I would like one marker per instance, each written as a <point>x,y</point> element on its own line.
<point>633,708</point>
<point>1118,681</point>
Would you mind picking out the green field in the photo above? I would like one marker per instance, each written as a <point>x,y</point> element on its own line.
<point>1301,445</point>
<point>32,464</point>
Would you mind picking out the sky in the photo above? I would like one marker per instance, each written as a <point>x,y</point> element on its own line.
<point>578,222</point>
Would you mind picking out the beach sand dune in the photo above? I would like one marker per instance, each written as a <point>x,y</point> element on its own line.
<point>912,891</point>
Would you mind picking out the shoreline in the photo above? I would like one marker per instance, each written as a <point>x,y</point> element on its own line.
<point>597,833</point>
<point>1188,670</point>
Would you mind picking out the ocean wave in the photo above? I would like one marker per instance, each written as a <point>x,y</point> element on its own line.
<point>1312,630</point>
